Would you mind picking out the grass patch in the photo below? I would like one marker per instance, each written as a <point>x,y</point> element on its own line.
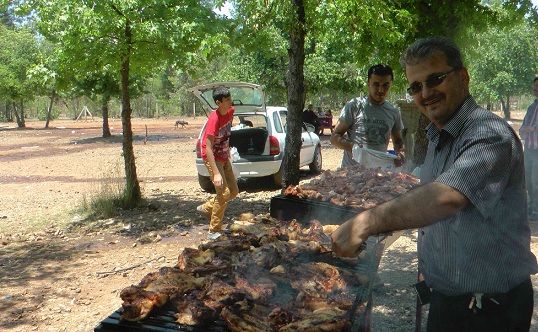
<point>108,198</point>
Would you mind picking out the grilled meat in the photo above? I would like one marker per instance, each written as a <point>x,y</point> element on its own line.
<point>200,262</point>
<point>355,186</point>
<point>282,277</point>
<point>323,320</point>
<point>154,290</point>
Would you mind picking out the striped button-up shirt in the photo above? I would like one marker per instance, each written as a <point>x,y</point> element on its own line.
<point>485,247</point>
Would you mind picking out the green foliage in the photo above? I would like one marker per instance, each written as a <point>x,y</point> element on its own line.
<point>94,34</point>
<point>42,114</point>
<point>503,61</point>
<point>18,53</point>
<point>343,38</point>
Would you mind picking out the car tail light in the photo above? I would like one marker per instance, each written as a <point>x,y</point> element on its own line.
<point>198,149</point>
<point>274,146</point>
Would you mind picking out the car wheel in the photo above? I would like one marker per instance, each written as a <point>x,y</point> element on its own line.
<point>277,178</point>
<point>206,184</point>
<point>317,163</point>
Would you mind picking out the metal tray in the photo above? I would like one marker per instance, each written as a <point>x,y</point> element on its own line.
<point>305,210</point>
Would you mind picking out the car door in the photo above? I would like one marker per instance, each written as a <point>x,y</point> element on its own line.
<point>307,143</point>
<point>308,146</point>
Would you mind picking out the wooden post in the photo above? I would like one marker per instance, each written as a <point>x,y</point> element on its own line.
<point>146,138</point>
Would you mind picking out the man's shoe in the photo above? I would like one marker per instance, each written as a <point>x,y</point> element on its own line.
<point>213,235</point>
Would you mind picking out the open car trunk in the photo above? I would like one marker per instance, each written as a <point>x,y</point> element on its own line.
<point>249,141</point>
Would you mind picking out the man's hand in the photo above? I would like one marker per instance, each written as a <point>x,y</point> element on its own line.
<point>400,160</point>
<point>347,239</point>
<point>217,179</point>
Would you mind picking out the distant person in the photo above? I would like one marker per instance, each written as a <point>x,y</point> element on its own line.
<point>529,134</point>
<point>470,208</point>
<point>216,156</point>
<point>370,122</point>
<point>309,116</point>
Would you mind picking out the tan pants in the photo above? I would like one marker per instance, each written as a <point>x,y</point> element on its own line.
<point>225,193</point>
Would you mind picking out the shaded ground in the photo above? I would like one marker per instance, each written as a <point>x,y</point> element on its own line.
<point>59,272</point>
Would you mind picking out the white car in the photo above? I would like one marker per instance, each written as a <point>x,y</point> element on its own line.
<point>258,134</point>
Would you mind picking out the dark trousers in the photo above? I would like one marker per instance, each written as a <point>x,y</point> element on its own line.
<point>531,179</point>
<point>503,312</point>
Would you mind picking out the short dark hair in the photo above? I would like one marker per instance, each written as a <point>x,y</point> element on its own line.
<point>381,70</point>
<point>535,79</point>
<point>424,48</point>
<point>220,92</point>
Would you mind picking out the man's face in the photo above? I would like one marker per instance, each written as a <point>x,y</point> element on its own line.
<point>535,88</point>
<point>225,103</point>
<point>438,102</point>
<point>378,88</point>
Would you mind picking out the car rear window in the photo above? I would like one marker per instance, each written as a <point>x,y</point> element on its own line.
<point>243,96</point>
<point>249,120</point>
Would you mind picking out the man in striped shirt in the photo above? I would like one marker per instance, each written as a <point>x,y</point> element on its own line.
<point>529,134</point>
<point>471,210</point>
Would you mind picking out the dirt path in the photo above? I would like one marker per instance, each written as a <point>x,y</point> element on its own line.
<point>58,273</point>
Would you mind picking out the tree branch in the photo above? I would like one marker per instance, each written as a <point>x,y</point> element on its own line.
<point>114,8</point>
<point>106,273</point>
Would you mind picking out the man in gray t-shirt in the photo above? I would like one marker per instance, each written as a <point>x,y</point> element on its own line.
<point>370,122</point>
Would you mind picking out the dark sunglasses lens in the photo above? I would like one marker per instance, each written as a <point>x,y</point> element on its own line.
<point>432,82</point>
<point>414,88</point>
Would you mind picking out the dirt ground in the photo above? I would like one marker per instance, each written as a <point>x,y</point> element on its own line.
<point>59,272</point>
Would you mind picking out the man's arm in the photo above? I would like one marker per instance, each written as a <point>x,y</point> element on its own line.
<point>398,144</point>
<point>338,139</point>
<point>525,127</point>
<point>217,177</point>
<point>420,207</point>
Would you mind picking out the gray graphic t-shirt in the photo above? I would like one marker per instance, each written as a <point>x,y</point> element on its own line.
<point>369,124</point>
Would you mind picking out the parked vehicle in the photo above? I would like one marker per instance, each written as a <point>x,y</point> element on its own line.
<point>258,134</point>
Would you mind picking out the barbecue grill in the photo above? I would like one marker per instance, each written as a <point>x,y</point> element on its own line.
<point>304,210</point>
<point>282,208</point>
<point>161,321</point>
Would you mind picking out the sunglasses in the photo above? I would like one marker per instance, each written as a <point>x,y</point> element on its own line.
<point>430,82</point>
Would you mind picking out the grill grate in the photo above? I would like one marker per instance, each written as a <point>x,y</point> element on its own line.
<point>162,320</point>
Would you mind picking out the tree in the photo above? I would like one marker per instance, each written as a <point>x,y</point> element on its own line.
<point>342,24</point>
<point>461,21</point>
<point>18,53</point>
<point>100,84</point>
<point>136,38</point>
<point>505,61</point>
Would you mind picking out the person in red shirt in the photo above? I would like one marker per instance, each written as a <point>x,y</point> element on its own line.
<point>216,155</point>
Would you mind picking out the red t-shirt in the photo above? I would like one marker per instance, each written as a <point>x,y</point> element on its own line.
<point>220,127</point>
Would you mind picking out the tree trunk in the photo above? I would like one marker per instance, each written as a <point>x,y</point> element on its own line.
<point>9,112</point>
<point>49,110</point>
<point>505,105</point>
<point>506,109</point>
<point>21,123</point>
<point>296,92</point>
<point>421,141</point>
<point>104,112</point>
<point>132,192</point>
